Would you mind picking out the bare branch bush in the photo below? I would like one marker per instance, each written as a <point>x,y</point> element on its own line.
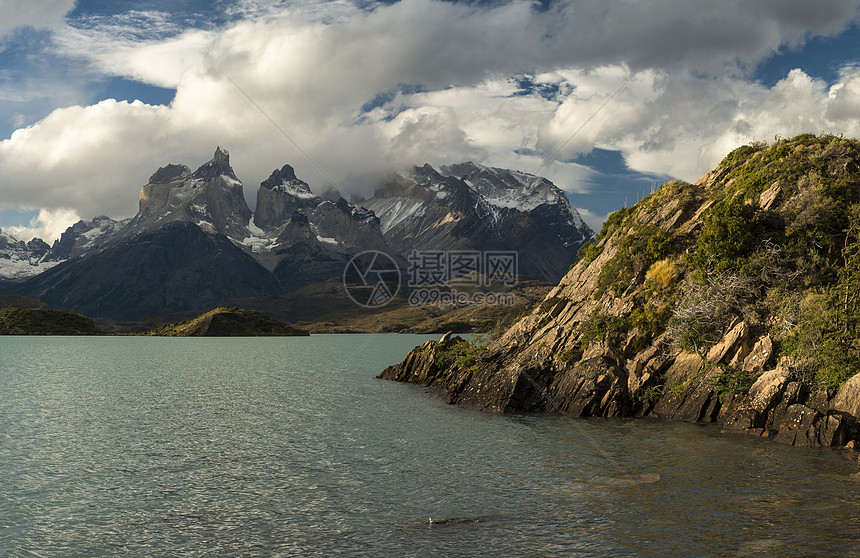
<point>706,309</point>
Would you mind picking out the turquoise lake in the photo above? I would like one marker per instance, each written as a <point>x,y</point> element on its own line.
<point>132,446</point>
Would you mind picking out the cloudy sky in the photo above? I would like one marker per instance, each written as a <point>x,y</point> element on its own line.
<point>603,97</point>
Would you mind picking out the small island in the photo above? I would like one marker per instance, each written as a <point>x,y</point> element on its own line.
<point>228,322</point>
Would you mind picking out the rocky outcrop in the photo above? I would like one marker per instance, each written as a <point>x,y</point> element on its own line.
<point>780,407</point>
<point>281,195</point>
<point>628,332</point>
<point>847,400</point>
<point>211,197</point>
<point>775,406</point>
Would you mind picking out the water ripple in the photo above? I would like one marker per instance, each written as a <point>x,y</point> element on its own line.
<point>201,447</point>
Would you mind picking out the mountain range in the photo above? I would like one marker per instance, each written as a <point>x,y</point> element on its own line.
<point>194,242</point>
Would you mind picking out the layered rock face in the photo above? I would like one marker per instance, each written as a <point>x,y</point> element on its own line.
<point>210,197</point>
<point>281,195</point>
<point>653,321</point>
<point>303,238</point>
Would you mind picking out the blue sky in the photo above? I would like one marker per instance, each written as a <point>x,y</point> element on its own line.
<point>96,95</point>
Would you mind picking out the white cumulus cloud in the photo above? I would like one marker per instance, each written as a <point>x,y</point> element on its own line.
<point>364,91</point>
<point>47,225</point>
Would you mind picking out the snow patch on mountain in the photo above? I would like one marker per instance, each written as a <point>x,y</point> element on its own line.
<point>328,240</point>
<point>206,226</point>
<point>19,259</point>
<point>392,211</point>
<point>296,188</point>
<point>507,188</point>
<point>258,241</point>
<point>16,268</point>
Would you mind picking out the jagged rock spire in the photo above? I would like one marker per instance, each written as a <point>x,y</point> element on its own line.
<point>169,173</point>
<point>278,177</point>
<point>219,165</point>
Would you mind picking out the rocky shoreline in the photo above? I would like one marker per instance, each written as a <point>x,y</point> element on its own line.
<point>711,302</point>
<point>776,406</point>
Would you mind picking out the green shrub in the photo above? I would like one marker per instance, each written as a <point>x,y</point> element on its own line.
<point>597,326</point>
<point>589,252</point>
<point>727,237</point>
<point>462,354</point>
<point>649,395</point>
<point>574,354</point>
<point>648,321</point>
<point>732,381</point>
<point>614,222</point>
<point>636,253</point>
<point>824,355</point>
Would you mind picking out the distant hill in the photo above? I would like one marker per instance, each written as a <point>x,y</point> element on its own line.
<point>326,308</point>
<point>44,321</point>
<point>229,322</point>
<point>19,301</point>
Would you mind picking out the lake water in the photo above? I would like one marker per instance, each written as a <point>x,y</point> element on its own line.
<point>290,447</point>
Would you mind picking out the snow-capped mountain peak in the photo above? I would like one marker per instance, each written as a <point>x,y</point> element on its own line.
<point>472,206</point>
<point>507,188</point>
<point>20,259</point>
<point>284,180</point>
<point>212,197</point>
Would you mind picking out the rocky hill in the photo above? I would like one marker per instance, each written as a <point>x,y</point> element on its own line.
<point>229,322</point>
<point>18,301</point>
<point>44,321</point>
<point>733,300</point>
